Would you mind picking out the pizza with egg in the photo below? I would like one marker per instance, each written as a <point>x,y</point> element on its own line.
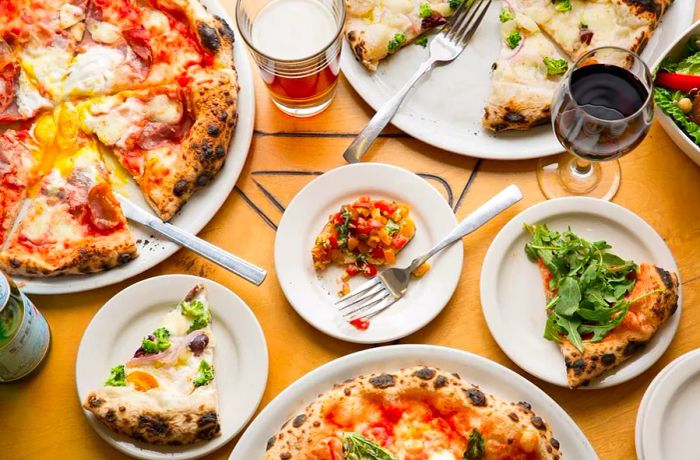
<point>149,82</point>
<point>418,413</point>
<point>166,393</point>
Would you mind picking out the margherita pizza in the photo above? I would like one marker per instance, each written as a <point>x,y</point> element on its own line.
<point>151,82</point>
<point>415,413</point>
<point>166,393</point>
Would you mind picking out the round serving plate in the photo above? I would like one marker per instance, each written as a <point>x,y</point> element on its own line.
<point>490,376</point>
<point>513,299</point>
<point>198,211</point>
<point>446,107</point>
<point>240,358</point>
<point>313,294</point>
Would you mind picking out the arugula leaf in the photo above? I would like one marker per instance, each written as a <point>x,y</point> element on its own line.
<point>569,297</point>
<point>117,377</point>
<point>357,447</point>
<point>475,446</point>
<point>551,329</point>
<point>571,326</point>
<point>664,99</point>
<point>506,14</point>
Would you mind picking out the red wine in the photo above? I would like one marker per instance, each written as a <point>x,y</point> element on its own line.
<point>608,91</point>
<point>599,118</point>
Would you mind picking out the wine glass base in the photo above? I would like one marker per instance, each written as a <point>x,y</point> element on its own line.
<point>559,176</point>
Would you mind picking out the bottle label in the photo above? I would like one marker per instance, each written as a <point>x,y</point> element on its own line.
<point>23,353</point>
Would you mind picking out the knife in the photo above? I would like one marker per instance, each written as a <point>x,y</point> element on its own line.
<point>240,267</point>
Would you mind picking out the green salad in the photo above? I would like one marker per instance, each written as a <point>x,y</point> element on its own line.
<point>677,84</point>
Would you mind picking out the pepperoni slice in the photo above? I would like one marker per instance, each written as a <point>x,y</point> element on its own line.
<point>137,38</point>
<point>104,208</point>
<point>9,73</point>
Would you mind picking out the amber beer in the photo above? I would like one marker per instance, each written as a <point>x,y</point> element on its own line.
<point>296,45</point>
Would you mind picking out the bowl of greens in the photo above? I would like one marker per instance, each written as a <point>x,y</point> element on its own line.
<point>677,91</point>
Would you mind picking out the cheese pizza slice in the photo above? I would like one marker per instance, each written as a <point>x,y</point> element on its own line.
<point>525,75</point>
<point>73,224</point>
<point>166,393</point>
<point>20,98</point>
<point>413,413</point>
<point>376,28</point>
<point>172,140</point>
<point>579,26</point>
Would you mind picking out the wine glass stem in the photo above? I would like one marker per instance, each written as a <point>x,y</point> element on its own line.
<point>581,167</point>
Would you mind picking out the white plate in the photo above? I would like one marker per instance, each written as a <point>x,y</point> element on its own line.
<point>312,295</point>
<point>492,377</point>
<point>513,300</point>
<point>446,108</point>
<point>240,358</point>
<point>665,420</point>
<point>199,210</point>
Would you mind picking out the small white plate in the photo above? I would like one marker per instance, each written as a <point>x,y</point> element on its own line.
<point>198,211</point>
<point>240,358</point>
<point>665,420</point>
<point>513,300</point>
<point>312,294</point>
<point>490,376</point>
<point>446,107</point>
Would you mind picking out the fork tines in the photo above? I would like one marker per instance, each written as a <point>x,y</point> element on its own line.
<point>368,300</point>
<point>464,22</point>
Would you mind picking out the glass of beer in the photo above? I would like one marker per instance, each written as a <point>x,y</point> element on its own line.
<point>296,45</point>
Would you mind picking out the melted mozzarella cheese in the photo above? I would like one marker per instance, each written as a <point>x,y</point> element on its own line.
<point>176,323</point>
<point>93,71</point>
<point>163,109</point>
<point>70,15</point>
<point>112,122</point>
<point>441,455</point>
<point>155,21</point>
<point>48,66</point>
<point>29,100</point>
<point>103,32</point>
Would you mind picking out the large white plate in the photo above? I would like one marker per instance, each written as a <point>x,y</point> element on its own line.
<point>446,108</point>
<point>490,376</point>
<point>513,301</point>
<point>200,209</point>
<point>240,359</point>
<point>668,409</point>
<point>312,295</point>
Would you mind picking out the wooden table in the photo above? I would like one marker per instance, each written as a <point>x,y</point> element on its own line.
<point>40,417</point>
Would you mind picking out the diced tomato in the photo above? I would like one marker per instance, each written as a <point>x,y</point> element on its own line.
<point>338,219</point>
<point>377,253</point>
<point>388,208</point>
<point>352,270</point>
<point>369,270</point>
<point>379,433</point>
<point>392,413</point>
<point>362,202</point>
<point>360,323</point>
<point>333,241</point>
<point>362,227</point>
<point>375,224</point>
<point>399,241</point>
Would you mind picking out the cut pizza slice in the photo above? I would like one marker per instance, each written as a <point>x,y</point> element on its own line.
<point>20,98</point>
<point>657,291</point>
<point>73,224</point>
<point>525,75</point>
<point>579,26</point>
<point>166,393</point>
<point>375,29</point>
<point>172,140</point>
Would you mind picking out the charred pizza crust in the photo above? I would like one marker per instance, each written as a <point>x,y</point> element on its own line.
<point>623,344</point>
<point>516,106</point>
<point>446,391</point>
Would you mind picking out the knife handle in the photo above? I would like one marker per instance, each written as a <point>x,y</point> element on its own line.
<point>240,267</point>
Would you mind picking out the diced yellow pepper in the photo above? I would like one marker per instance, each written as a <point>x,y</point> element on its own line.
<point>422,270</point>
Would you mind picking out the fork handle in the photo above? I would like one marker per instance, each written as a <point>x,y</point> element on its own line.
<point>386,112</point>
<point>487,211</point>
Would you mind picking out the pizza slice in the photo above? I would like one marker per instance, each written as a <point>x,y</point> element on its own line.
<point>525,75</point>
<point>602,310</point>
<point>375,29</point>
<point>73,225</point>
<point>20,98</point>
<point>579,26</point>
<point>17,164</point>
<point>413,413</point>
<point>172,140</point>
<point>166,393</point>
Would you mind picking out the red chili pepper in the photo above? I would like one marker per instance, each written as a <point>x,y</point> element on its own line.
<point>333,241</point>
<point>377,253</point>
<point>399,241</point>
<point>360,323</point>
<point>369,270</point>
<point>352,270</point>
<point>678,81</point>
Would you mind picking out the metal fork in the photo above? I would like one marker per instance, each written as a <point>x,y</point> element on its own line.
<point>381,292</point>
<point>445,47</point>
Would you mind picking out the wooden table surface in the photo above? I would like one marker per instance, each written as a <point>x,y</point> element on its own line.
<point>40,417</point>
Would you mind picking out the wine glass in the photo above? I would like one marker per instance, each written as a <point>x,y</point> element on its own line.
<point>602,109</point>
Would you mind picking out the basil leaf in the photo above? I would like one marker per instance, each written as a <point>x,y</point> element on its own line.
<point>475,446</point>
<point>357,447</point>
